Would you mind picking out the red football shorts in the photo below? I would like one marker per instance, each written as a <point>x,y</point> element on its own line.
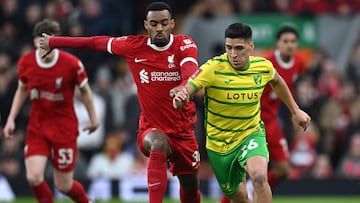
<point>185,157</point>
<point>277,144</point>
<point>62,155</point>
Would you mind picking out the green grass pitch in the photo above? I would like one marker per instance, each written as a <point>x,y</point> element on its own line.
<point>279,199</point>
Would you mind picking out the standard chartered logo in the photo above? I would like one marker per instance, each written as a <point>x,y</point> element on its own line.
<point>144,76</point>
<point>159,76</point>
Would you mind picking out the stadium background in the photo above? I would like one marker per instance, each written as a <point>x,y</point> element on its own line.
<point>326,158</point>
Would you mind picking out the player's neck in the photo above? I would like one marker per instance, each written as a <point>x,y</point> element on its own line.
<point>48,58</point>
<point>285,58</point>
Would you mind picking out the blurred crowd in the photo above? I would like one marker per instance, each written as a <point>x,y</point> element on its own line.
<point>330,148</point>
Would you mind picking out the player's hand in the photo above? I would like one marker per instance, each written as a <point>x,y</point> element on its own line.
<point>302,119</point>
<point>9,129</point>
<point>44,44</point>
<point>181,98</point>
<point>92,127</point>
<point>175,90</point>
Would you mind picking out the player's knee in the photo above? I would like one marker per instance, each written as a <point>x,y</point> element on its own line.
<point>34,178</point>
<point>258,178</point>
<point>159,144</point>
<point>63,186</point>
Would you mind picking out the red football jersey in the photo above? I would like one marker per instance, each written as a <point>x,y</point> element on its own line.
<point>289,72</point>
<point>51,90</point>
<point>156,70</point>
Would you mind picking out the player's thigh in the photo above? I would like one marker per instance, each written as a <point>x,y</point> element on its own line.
<point>277,144</point>
<point>228,172</point>
<point>185,156</point>
<point>64,156</point>
<point>36,152</point>
<point>254,153</point>
<point>35,166</point>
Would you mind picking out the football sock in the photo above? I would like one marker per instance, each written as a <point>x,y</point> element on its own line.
<point>225,199</point>
<point>157,177</point>
<point>42,193</point>
<point>77,193</point>
<point>273,180</point>
<point>189,196</point>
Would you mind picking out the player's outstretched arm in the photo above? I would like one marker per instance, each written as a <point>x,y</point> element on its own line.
<point>96,43</point>
<point>18,102</point>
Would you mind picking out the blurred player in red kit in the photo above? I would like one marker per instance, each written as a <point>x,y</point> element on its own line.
<point>53,127</point>
<point>159,63</point>
<point>289,65</point>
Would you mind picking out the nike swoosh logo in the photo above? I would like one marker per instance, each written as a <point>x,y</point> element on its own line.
<point>154,184</point>
<point>139,60</point>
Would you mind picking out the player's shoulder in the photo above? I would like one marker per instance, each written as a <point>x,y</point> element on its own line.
<point>26,58</point>
<point>27,55</point>
<point>271,56</point>
<point>217,62</point>
<point>260,61</point>
<point>182,39</point>
<point>298,58</point>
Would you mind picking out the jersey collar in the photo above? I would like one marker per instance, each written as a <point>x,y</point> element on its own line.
<point>43,64</point>
<point>161,48</point>
<point>283,64</point>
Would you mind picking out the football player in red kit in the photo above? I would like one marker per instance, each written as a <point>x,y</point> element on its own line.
<point>53,127</point>
<point>289,65</point>
<point>159,62</point>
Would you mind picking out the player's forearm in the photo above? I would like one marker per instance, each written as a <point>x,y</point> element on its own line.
<point>18,102</point>
<point>88,101</point>
<point>98,43</point>
<point>283,92</point>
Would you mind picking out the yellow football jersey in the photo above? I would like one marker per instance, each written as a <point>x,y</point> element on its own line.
<point>232,99</point>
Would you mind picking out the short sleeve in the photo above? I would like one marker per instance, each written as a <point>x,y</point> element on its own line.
<point>81,74</point>
<point>203,77</point>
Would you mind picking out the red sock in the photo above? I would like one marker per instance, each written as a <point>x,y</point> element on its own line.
<point>272,179</point>
<point>225,199</point>
<point>189,197</point>
<point>77,193</point>
<point>42,193</point>
<point>157,177</point>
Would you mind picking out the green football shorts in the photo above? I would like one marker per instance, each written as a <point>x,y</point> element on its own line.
<point>229,168</point>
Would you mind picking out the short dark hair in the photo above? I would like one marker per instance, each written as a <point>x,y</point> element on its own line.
<point>238,30</point>
<point>158,6</point>
<point>287,29</point>
<point>48,26</point>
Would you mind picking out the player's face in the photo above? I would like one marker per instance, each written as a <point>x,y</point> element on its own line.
<point>238,51</point>
<point>159,25</point>
<point>287,44</point>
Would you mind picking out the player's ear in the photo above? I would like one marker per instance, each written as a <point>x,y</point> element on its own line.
<point>172,23</point>
<point>145,24</point>
<point>252,45</point>
<point>36,42</point>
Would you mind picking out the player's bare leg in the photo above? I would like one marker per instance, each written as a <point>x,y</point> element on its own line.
<point>158,148</point>
<point>64,183</point>
<point>256,168</point>
<point>279,172</point>
<point>189,188</point>
<point>240,196</point>
<point>35,168</point>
